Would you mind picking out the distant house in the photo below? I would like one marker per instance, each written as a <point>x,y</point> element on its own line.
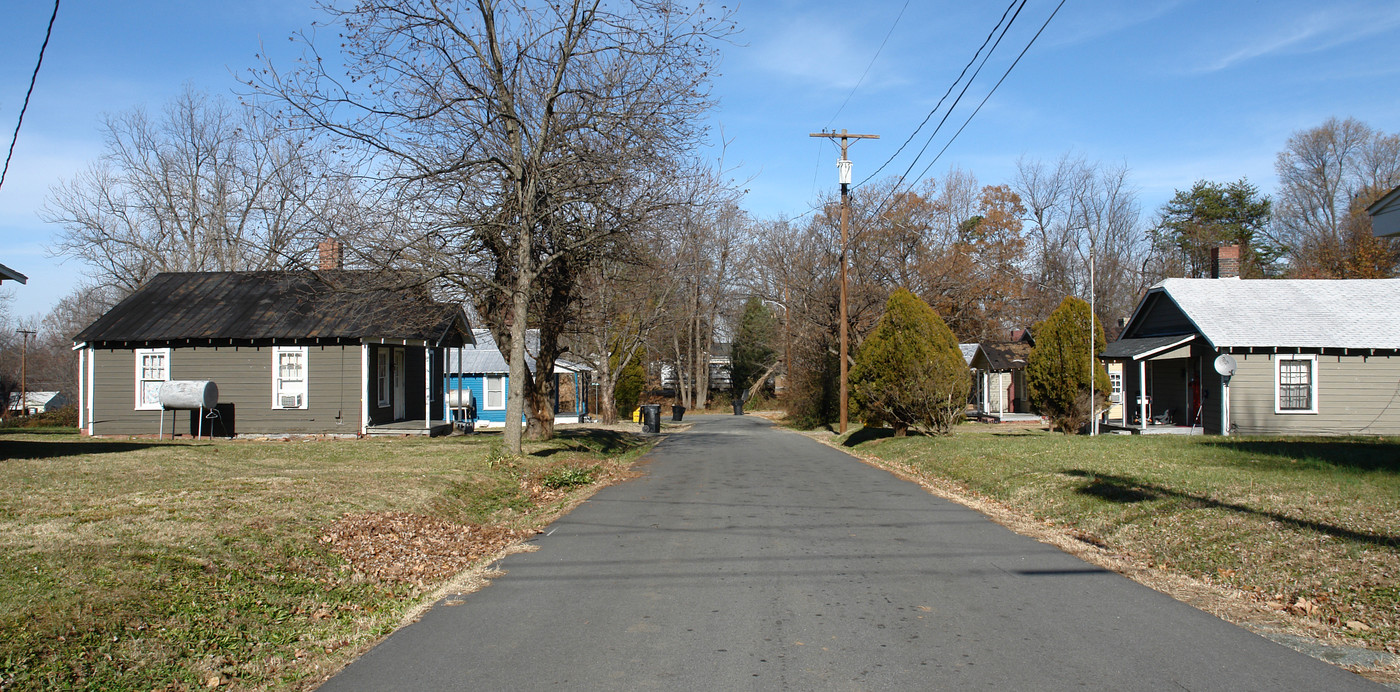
<point>481,369</point>
<point>1385,215</point>
<point>1312,357</point>
<point>300,352</point>
<point>36,402</point>
<point>999,377</point>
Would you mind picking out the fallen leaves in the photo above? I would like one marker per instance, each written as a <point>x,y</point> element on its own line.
<point>412,548</point>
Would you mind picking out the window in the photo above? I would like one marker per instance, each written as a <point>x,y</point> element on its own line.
<point>1115,380</point>
<point>382,377</point>
<point>495,393</point>
<point>1295,384</point>
<point>289,376</point>
<point>152,370</point>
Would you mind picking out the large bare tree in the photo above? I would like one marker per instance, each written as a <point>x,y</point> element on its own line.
<point>518,137</point>
<point>1327,176</point>
<point>205,186</point>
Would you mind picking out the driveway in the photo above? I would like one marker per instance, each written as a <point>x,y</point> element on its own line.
<point>749,557</point>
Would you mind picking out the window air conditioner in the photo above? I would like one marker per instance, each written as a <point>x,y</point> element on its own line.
<point>1115,398</point>
<point>291,400</point>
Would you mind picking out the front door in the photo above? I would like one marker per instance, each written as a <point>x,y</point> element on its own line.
<point>400,378</point>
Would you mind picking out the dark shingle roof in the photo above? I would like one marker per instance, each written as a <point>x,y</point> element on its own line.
<point>275,305</point>
<point>1007,356</point>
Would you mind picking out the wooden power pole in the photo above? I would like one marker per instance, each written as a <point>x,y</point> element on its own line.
<point>845,167</point>
<point>24,372</point>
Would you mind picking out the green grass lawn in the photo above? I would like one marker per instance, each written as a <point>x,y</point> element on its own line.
<point>145,564</point>
<point>1283,519</point>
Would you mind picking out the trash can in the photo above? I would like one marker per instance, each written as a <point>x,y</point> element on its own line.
<point>651,418</point>
<point>677,412</point>
<point>738,406</point>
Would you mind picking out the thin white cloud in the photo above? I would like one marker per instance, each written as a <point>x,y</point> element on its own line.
<point>1090,21</point>
<point>1317,30</point>
<point>817,53</point>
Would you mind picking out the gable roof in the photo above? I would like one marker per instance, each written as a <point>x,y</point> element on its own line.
<point>485,356</point>
<point>199,306</point>
<point>8,274</point>
<point>1385,214</point>
<point>1005,356</point>
<point>969,351</point>
<point>1280,313</point>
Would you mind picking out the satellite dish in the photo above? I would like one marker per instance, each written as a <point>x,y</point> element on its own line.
<point>1225,364</point>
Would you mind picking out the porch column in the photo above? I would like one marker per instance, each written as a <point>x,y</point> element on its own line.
<point>82,388</point>
<point>427,387</point>
<point>364,388</point>
<point>1142,393</point>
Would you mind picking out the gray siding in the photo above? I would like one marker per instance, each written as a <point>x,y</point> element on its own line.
<point>1355,396</point>
<point>244,377</point>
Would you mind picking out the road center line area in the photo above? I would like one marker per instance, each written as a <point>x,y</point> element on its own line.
<point>748,557</point>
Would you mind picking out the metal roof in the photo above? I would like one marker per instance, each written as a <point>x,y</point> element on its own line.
<point>1288,313</point>
<point>968,351</point>
<point>200,306</point>
<point>485,356</point>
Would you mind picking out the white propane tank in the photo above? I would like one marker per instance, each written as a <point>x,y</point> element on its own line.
<point>189,395</point>
<point>460,398</point>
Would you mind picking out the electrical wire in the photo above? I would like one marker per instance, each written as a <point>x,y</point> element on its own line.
<point>895,188</point>
<point>32,79</point>
<point>873,58</point>
<point>994,89</point>
<point>943,98</point>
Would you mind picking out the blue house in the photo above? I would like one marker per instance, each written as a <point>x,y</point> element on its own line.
<point>481,370</point>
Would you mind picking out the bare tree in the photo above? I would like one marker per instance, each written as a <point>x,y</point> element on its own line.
<point>207,186</point>
<point>520,136</point>
<point>1327,175</point>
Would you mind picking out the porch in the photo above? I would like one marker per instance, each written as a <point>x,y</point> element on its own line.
<point>1110,428</point>
<point>433,428</point>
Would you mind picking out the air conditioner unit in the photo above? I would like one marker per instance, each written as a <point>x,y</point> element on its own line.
<point>290,400</point>
<point>1115,398</point>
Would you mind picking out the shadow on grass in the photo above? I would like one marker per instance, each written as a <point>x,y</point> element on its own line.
<point>1125,490</point>
<point>1361,455</point>
<point>865,435</point>
<point>605,442</point>
<point>28,449</point>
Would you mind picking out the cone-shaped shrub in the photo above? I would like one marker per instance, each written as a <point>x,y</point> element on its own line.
<point>909,371</point>
<point>1057,370</point>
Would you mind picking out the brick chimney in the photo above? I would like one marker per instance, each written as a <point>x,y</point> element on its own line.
<point>1225,262</point>
<point>332,254</point>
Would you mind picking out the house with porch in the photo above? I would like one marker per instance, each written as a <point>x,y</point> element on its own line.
<point>999,379</point>
<point>1310,357</point>
<point>331,352</point>
<point>481,373</point>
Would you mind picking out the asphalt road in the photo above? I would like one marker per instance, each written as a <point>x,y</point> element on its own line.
<point>749,557</point>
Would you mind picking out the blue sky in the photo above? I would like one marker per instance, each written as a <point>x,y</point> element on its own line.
<point>1175,90</point>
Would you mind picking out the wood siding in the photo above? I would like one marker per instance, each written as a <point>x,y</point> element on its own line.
<point>244,377</point>
<point>1159,316</point>
<point>1356,395</point>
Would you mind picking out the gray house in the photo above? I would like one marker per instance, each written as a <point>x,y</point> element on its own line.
<point>1313,357</point>
<point>325,353</point>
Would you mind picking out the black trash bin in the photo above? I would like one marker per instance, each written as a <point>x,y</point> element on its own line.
<point>738,407</point>
<point>677,412</point>
<point>651,418</point>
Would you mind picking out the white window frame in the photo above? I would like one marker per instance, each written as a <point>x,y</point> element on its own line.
<point>381,376</point>
<point>1115,387</point>
<point>291,387</point>
<point>486,391</point>
<point>1311,359</point>
<point>142,379</point>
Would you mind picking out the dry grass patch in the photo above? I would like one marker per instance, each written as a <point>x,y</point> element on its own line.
<point>262,565</point>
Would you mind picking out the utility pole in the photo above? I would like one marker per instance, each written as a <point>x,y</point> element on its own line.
<point>845,167</point>
<point>23,371</point>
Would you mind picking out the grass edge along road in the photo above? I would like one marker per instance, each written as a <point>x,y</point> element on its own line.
<point>143,564</point>
<point>1283,536</point>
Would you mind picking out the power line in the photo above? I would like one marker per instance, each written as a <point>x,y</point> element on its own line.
<point>33,78</point>
<point>873,58</point>
<point>994,89</point>
<point>951,87</point>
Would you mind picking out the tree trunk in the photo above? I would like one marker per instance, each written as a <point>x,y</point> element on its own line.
<point>519,374</point>
<point>900,430</point>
